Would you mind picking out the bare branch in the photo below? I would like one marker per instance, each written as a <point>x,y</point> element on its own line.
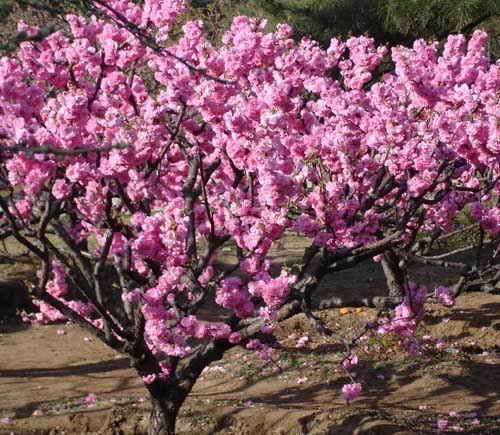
<point>49,149</point>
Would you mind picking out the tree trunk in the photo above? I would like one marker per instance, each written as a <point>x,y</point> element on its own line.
<point>166,395</point>
<point>394,274</point>
<point>162,418</point>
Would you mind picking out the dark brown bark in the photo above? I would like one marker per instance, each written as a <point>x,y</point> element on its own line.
<point>395,276</point>
<point>166,396</point>
<point>162,418</point>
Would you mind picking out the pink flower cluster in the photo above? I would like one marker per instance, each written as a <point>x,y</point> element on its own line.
<point>264,351</point>
<point>407,316</point>
<point>351,391</point>
<point>58,288</point>
<point>444,296</point>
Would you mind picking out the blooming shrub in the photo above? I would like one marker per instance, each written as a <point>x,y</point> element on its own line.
<point>145,158</point>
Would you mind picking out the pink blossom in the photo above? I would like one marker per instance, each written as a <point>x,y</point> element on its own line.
<point>149,379</point>
<point>444,296</point>
<point>234,338</point>
<point>442,423</point>
<point>253,344</point>
<point>90,398</point>
<point>440,344</point>
<point>351,391</point>
<point>301,342</point>
<point>133,296</point>
<point>61,189</point>
<point>265,352</point>
<point>350,361</point>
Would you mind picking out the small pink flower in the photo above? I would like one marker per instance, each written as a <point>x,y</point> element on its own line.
<point>253,344</point>
<point>248,404</point>
<point>61,332</point>
<point>87,339</point>
<point>149,379</point>
<point>444,296</point>
<point>6,420</point>
<point>453,413</point>
<point>440,344</point>
<point>350,362</point>
<point>301,342</point>
<point>234,338</point>
<point>351,391</point>
<point>91,398</point>
<point>442,423</point>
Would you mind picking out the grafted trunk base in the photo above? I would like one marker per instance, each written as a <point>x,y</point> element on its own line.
<point>162,418</point>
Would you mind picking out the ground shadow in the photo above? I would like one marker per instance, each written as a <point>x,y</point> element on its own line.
<point>99,367</point>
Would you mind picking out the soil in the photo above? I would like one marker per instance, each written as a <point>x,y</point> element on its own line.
<point>43,371</point>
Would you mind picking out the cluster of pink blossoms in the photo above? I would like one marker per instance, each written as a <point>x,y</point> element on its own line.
<point>351,391</point>
<point>58,288</point>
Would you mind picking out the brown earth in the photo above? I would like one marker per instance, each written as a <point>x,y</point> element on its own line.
<point>42,370</point>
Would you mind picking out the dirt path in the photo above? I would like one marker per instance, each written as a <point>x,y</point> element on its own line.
<point>42,370</point>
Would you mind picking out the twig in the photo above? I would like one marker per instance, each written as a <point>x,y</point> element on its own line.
<point>49,149</point>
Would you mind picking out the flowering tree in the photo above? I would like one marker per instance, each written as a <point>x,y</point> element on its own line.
<point>128,161</point>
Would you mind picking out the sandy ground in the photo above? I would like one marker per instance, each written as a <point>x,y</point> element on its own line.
<point>42,370</point>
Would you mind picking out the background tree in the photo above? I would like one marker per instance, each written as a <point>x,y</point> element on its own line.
<point>388,21</point>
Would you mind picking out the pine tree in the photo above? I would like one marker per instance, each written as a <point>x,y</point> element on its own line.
<point>388,21</point>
